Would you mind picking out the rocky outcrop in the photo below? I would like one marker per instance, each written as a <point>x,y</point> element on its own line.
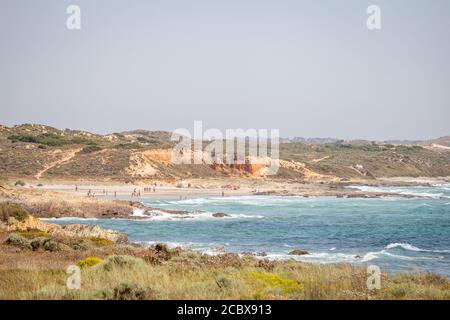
<point>70,231</point>
<point>89,231</point>
<point>298,252</point>
<point>50,204</point>
<point>220,215</point>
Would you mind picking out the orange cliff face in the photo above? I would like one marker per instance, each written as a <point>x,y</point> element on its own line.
<point>255,167</point>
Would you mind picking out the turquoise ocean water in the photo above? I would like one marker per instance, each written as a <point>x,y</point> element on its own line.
<point>397,234</point>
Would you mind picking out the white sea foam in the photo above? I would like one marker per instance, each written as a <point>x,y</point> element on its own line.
<point>405,246</point>
<point>210,249</point>
<point>170,244</point>
<point>410,247</point>
<point>411,191</point>
<point>138,212</point>
<point>243,200</point>
<point>316,257</point>
<point>158,215</point>
<point>69,219</point>
<point>378,254</point>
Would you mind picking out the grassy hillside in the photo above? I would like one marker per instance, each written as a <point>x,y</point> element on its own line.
<point>37,151</point>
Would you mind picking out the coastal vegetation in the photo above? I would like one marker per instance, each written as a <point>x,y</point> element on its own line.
<point>34,255</point>
<point>33,265</point>
<point>190,275</point>
<point>38,151</point>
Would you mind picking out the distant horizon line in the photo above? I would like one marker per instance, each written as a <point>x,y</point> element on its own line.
<point>291,137</point>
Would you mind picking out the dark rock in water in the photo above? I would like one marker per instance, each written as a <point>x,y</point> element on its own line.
<point>358,257</point>
<point>220,215</point>
<point>298,252</point>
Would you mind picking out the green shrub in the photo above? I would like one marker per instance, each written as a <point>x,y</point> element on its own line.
<point>40,185</point>
<point>20,183</point>
<point>51,245</point>
<point>163,251</point>
<point>8,210</point>
<point>17,240</point>
<point>44,243</point>
<point>32,233</point>
<point>101,241</point>
<point>49,139</point>
<point>126,291</point>
<point>120,262</point>
<point>127,146</point>
<point>90,149</point>
<point>398,293</point>
<point>78,245</point>
<point>89,262</point>
<point>224,283</point>
<point>22,138</point>
<point>161,248</point>
<point>38,243</point>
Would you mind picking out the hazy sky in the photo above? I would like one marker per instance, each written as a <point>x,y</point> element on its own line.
<point>310,68</point>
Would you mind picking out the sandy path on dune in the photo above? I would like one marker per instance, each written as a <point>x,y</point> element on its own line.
<point>69,155</point>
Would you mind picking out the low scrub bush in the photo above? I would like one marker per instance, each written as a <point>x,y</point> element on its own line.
<point>91,149</point>
<point>126,291</point>
<point>45,244</point>
<point>114,262</point>
<point>101,241</point>
<point>14,210</point>
<point>49,139</point>
<point>78,245</point>
<point>17,240</point>
<point>20,183</point>
<point>127,146</point>
<point>32,233</point>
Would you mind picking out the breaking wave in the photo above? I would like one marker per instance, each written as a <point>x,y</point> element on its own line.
<point>436,193</point>
<point>407,246</point>
<point>159,215</point>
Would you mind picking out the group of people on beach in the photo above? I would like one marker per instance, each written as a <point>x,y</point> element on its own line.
<point>135,193</point>
<point>91,194</point>
<point>150,189</point>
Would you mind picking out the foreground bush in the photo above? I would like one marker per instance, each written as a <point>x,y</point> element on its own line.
<point>8,210</point>
<point>126,291</point>
<point>101,241</point>
<point>47,244</point>
<point>17,240</point>
<point>189,275</point>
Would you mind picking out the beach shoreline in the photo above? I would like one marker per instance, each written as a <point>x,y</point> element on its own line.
<point>100,199</point>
